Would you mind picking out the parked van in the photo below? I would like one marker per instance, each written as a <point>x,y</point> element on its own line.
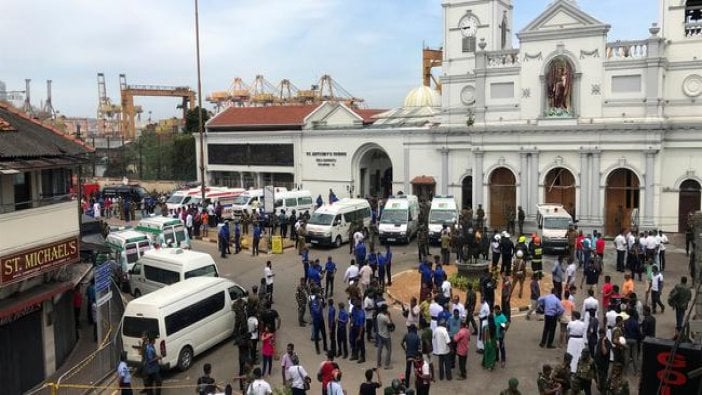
<point>300,201</point>
<point>165,231</point>
<point>250,200</point>
<point>167,266</point>
<point>399,220</point>
<point>136,192</point>
<point>443,212</point>
<point>329,224</point>
<point>128,246</point>
<point>553,220</point>
<point>186,318</point>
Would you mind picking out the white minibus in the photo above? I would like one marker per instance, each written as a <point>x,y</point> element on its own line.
<point>329,224</point>
<point>158,268</point>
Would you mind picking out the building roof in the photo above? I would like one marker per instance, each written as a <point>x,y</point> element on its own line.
<point>423,180</point>
<point>274,116</point>
<point>22,137</point>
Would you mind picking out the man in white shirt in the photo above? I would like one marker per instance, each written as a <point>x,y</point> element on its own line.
<point>96,210</point>
<point>252,325</point>
<point>365,273</point>
<point>434,310</point>
<point>446,290</point>
<point>124,377</point>
<point>656,288</point>
<point>189,224</point>
<point>651,247</point>
<point>268,275</point>
<point>590,303</point>
<point>576,339</point>
<point>482,317</point>
<point>258,386</point>
<point>357,238</point>
<point>351,273</point>
<point>620,245</point>
<point>570,273</point>
<point>457,305</point>
<point>663,240</point>
<point>441,342</point>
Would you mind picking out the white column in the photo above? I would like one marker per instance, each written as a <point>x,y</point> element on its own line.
<point>648,188</point>
<point>595,210</point>
<point>241,179</point>
<point>523,180</point>
<point>444,170</point>
<point>478,178</point>
<point>406,172</point>
<point>584,209</point>
<point>533,184</point>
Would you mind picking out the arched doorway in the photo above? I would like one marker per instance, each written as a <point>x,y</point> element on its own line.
<point>559,187</point>
<point>688,201</point>
<point>503,197</point>
<point>621,201</point>
<point>467,192</point>
<point>374,172</point>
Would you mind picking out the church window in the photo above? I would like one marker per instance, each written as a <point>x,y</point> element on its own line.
<point>693,18</point>
<point>503,32</point>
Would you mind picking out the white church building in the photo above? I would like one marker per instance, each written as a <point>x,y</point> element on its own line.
<point>610,129</point>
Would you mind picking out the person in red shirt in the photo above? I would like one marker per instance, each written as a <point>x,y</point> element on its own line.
<point>579,248</point>
<point>600,246</point>
<point>607,290</point>
<point>326,370</point>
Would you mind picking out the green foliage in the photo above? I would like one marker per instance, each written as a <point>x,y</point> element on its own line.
<point>192,121</point>
<point>461,282</point>
<point>285,390</point>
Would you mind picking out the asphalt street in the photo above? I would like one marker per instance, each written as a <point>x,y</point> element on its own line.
<point>524,356</point>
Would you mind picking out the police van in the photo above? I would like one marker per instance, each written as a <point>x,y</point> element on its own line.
<point>167,266</point>
<point>300,201</point>
<point>443,212</point>
<point>248,201</point>
<point>186,318</point>
<point>400,219</point>
<point>329,224</point>
<point>165,231</point>
<point>553,222</point>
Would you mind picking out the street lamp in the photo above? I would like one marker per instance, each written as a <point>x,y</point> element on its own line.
<point>201,132</point>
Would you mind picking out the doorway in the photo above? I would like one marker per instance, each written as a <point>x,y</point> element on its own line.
<point>503,197</point>
<point>559,187</point>
<point>621,201</point>
<point>688,202</point>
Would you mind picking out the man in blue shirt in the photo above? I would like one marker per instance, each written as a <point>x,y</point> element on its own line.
<point>552,311</point>
<point>427,273</point>
<point>305,262</point>
<point>237,237</point>
<point>439,276</point>
<point>256,239</point>
<point>318,328</point>
<point>223,237</point>
<point>412,345</point>
<point>331,321</point>
<point>341,339</point>
<point>388,263</point>
<point>314,275</point>
<point>358,345</point>
<point>373,261</point>
<point>360,252</point>
<point>381,271</point>
<point>329,272</point>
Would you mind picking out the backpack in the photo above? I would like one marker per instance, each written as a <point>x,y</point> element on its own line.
<point>673,297</point>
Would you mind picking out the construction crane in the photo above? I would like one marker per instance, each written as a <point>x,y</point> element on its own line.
<point>108,114</point>
<point>263,93</point>
<point>431,58</point>
<point>129,110</point>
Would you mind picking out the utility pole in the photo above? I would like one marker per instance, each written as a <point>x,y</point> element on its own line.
<point>201,132</point>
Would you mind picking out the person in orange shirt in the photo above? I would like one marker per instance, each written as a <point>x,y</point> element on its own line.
<point>627,287</point>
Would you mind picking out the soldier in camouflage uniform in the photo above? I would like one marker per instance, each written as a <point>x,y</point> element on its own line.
<point>301,298</point>
<point>240,329</point>
<point>422,242</point>
<point>245,222</point>
<point>372,236</point>
<point>585,373</point>
<point>352,230</point>
<point>617,385</point>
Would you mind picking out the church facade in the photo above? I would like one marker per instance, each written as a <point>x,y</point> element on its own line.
<point>610,129</point>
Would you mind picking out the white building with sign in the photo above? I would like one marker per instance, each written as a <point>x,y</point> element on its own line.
<point>610,129</point>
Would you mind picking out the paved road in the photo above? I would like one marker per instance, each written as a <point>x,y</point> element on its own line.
<point>524,357</point>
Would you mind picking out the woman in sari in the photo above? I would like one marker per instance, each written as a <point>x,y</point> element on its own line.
<point>490,342</point>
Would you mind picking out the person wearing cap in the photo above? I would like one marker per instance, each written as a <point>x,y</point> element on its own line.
<point>512,385</point>
<point>441,344</point>
<point>495,249</point>
<point>618,339</point>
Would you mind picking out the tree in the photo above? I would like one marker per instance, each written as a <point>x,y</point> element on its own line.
<point>192,122</point>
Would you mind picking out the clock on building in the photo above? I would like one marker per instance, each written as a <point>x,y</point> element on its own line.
<point>468,25</point>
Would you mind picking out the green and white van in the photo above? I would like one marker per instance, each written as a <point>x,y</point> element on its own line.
<point>165,231</point>
<point>128,246</point>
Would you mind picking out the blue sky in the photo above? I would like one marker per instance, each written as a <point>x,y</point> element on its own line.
<point>371,47</point>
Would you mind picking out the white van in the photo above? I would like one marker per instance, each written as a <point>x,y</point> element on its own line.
<point>300,201</point>
<point>167,266</point>
<point>400,219</point>
<point>553,221</point>
<point>165,231</point>
<point>444,211</point>
<point>250,201</point>
<point>186,318</point>
<point>329,224</point>
<point>128,246</point>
